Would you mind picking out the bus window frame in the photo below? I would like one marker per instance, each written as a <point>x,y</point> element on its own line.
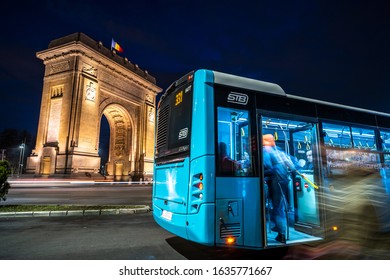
<point>249,124</point>
<point>221,93</point>
<point>350,125</point>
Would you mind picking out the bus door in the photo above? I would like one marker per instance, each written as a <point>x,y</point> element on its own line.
<point>237,191</point>
<point>294,211</point>
<point>305,189</point>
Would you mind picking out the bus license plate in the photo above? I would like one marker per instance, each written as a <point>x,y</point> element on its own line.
<point>166,215</point>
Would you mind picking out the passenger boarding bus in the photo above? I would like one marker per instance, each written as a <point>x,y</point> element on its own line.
<point>341,154</point>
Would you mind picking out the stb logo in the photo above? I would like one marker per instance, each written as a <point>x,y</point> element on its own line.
<point>238,98</point>
<point>183,133</point>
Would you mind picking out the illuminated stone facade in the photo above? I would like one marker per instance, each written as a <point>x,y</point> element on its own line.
<point>83,81</point>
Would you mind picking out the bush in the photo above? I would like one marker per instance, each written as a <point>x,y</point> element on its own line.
<point>4,185</point>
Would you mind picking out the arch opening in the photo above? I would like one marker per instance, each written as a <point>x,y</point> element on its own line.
<point>116,143</point>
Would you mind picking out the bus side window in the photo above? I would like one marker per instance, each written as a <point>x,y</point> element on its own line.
<point>337,135</point>
<point>363,139</point>
<point>234,154</point>
<point>385,140</point>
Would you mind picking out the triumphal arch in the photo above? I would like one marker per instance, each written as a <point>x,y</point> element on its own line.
<point>83,81</point>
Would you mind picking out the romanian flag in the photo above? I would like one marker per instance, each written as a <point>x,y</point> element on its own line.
<point>116,46</point>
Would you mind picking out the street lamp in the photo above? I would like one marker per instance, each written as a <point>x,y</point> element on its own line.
<point>2,154</point>
<point>21,156</point>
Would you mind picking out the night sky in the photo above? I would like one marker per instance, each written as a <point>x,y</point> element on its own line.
<point>336,52</point>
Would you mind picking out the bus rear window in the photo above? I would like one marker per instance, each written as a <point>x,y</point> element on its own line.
<point>174,122</point>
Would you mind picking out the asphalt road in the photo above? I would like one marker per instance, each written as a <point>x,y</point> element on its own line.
<point>78,193</point>
<point>114,237</point>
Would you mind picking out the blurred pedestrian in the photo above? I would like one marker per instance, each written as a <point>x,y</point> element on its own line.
<point>277,166</point>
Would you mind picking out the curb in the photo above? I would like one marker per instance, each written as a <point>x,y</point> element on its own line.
<point>144,209</point>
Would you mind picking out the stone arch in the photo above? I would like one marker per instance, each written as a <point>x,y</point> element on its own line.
<point>83,81</point>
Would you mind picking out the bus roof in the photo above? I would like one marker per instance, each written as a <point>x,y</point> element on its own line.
<point>338,105</point>
<point>252,84</point>
<point>247,83</point>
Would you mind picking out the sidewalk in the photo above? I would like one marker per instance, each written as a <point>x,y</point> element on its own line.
<point>143,209</point>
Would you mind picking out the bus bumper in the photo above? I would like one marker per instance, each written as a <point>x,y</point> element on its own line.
<point>197,227</point>
<point>172,222</point>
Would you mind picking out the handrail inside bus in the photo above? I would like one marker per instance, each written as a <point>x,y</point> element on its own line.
<point>307,180</point>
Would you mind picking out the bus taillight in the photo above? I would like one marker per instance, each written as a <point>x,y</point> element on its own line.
<point>199,183</point>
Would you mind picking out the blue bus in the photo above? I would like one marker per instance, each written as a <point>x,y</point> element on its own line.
<point>341,154</point>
